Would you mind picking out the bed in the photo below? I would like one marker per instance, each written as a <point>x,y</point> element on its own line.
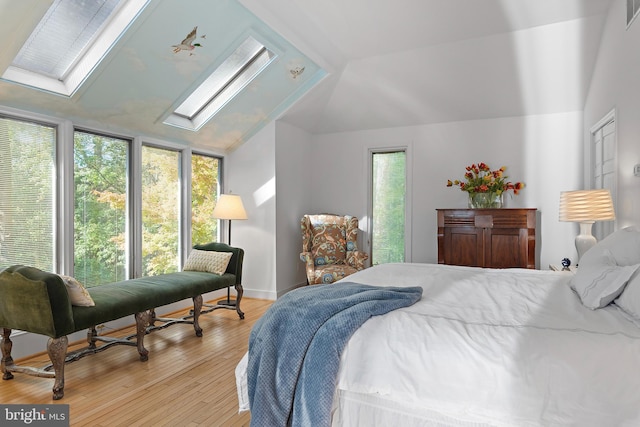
<point>509,347</point>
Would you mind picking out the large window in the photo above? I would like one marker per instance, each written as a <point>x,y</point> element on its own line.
<point>160,210</point>
<point>388,207</point>
<point>100,207</point>
<point>27,188</point>
<point>100,211</point>
<point>204,193</point>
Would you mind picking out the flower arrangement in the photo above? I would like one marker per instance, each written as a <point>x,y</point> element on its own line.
<point>481,179</point>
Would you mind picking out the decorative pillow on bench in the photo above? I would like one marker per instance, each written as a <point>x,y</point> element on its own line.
<point>210,261</point>
<point>77,292</point>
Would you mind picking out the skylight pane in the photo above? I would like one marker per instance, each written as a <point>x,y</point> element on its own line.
<point>67,29</point>
<point>226,81</point>
<point>70,41</point>
<point>221,77</point>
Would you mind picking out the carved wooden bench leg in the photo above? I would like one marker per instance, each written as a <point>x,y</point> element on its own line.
<point>7,360</point>
<point>197,307</point>
<point>142,321</point>
<point>152,317</point>
<point>240,291</point>
<point>57,349</point>
<point>91,337</point>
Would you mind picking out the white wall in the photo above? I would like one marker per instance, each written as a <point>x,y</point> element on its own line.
<point>293,200</point>
<point>543,151</point>
<point>250,173</point>
<point>616,84</point>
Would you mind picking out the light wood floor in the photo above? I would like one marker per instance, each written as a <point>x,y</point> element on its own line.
<point>187,381</point>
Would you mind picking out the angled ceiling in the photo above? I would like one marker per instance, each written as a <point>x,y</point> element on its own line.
<point>141,81</point>
<point>367,64</point>
<point>412,62</point>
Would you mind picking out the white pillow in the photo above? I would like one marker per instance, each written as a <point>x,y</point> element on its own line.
<point>600,281</point>
<point>210,261</point>
<point>629,301</point>
<point>78,294</point>
<point>623,244</point>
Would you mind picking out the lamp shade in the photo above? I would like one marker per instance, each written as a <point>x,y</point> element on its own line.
<point>229,206</point>
<point>586,206</point>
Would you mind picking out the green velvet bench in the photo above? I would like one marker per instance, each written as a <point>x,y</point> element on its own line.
<point>35,301</point>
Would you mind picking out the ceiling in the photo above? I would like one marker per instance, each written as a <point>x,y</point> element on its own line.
<point>141,80</point>
<point>368,64</point>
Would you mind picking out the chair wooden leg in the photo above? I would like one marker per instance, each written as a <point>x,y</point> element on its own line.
<point>57,349</point>
<point>240,291</point>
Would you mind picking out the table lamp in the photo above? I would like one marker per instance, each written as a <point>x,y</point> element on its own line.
<point>586,207</point>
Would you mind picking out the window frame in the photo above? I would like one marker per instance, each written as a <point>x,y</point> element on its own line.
<point>188,200</point>
<point>92,54</point>
<point>408,256</point>
<point>64,189</point>
<point>184,212</point>
<point>60,206</point>
<point>602,229</point>
<point>633,10</point>
<point>71,198</point>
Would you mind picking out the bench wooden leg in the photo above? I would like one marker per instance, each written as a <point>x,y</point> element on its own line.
<point>197,307</point>
<point>152,317</point>
<point>91,337</point>
<point>57,349</point>
<point>142,321</point>
<point>7,360</point>
<point>240,291</point>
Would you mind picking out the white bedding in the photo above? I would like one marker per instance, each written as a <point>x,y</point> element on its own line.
<point>488,347</point>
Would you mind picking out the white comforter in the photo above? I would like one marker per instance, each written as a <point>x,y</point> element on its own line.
<point>486,347</point>
<point>502,347</point>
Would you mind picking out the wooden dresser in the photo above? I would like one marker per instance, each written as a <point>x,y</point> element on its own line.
<point>493,238</point>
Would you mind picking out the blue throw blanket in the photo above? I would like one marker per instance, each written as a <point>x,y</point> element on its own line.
<point>295,348</point>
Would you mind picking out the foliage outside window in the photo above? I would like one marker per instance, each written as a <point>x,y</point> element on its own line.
<point>102,203</point>
<point>388,213</point>
<point>204,193</point>
<point>100,216</point>
<point>160,210</point>
<point>27,208</point>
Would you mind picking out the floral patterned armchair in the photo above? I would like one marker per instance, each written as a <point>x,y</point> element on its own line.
<point>329,247</point>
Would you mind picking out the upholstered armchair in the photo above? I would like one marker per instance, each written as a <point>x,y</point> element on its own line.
<point>329,247</point>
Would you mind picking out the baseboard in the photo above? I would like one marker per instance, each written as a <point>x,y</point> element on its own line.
<point>270,295</point>
<point>284,291</point>
<point>259,294</point>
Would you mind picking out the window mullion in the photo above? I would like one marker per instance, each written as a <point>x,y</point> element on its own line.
<point>134,209</point>
<point>184,240</point>
<point>64,211</point>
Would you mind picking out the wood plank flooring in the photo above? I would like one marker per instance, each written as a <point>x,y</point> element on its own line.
<point>187,381</point>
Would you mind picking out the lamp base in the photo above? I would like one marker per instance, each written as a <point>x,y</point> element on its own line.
<point>585,240</point>
<point>227,301</point>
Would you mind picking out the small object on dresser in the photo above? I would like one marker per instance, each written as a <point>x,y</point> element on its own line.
<point>566,262</point>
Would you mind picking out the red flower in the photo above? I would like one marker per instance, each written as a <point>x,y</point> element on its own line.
<point>479,178</point>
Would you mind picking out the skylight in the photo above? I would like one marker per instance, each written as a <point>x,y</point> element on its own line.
<point>69,41</point>
<point>226,81</point>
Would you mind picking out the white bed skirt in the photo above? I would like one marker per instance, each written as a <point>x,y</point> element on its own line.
<point>357,409</point>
